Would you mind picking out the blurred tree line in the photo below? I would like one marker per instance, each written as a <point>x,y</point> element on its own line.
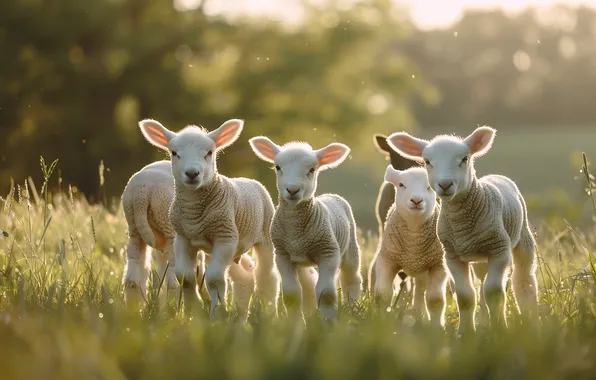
<point>78,75</point>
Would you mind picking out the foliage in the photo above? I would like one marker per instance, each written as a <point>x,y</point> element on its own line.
<point>80,75</point>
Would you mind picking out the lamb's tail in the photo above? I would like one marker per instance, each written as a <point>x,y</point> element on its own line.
<point>140,210</point>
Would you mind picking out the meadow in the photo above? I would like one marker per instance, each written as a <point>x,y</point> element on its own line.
<point>62,314</point>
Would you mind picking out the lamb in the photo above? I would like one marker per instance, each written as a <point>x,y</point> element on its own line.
<point>482,220</point>
<point>146,202</point>
<point>308,230</point>
<point>410,243</point>
<point>211,212</point>
<point>386,196</point>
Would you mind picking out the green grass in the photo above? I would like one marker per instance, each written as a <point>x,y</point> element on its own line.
<point>62,316</point>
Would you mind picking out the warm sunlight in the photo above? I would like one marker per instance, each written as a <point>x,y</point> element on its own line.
<point>426,13</point>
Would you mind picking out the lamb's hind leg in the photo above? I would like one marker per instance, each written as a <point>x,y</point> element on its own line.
<point>350,278</point>
<point>166,270</point>
<point>136,272</point>
<point>267,279</point>
<point>243,284</point>
<point>494,287</point>
<point>523,278</point>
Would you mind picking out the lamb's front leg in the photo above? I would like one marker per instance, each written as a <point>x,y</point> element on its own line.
<point>464,292</point>
<point>385,277</point>
<point>325,290</point>
<point>435,295</point>
<point>494,287</point>
<point>291,288</point>
<point>186,263</point>
<point>419,304</point>
<point>222,257</point>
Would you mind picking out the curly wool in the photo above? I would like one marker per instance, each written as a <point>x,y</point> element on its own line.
<point>467,226</point>
<point>227,209</point>
<point>413,248</point>
<point>314,228</point>
<point>146,201</point>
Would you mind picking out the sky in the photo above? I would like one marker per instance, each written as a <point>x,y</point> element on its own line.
<point>425,13</point>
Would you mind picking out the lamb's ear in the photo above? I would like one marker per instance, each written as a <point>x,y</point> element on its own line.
<point>407,146</point>
<point>392,175</point>
<point>264,148</point>
<point>227,133</point>
<point>481,140</point>
<point>156,133</point>
<point>332,155</point>
<point>380,142</point>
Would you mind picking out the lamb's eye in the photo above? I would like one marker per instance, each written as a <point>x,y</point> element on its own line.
<point>426,161</point>
<point>401,185</point>
<point>311,171</point>
<point>210,153</point>
<point>174,154</point>
<point>277,167</point>
<point>465,159</point>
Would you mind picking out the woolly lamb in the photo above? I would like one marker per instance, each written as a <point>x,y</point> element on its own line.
<point>410,243</point>
<point>482,219</point>
<point>211,212</point>
<point>386,196</point>
<point>146,202</point>
<point>308,230</point>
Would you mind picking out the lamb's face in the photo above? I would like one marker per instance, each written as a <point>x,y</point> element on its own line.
<point>193,149</point>
<point>449,166</point>
<point>297,174</point>
<point>414,196</point>
<point>297,165</point>
<point>193,158</point>
<point>448,159</point>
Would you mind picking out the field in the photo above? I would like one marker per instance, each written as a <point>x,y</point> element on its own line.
<point>62,316</point>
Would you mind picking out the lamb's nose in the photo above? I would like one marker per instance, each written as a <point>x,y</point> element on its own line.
<point>445,184</point>
<point>191,174</point>
<point>416,201</point>
<point>293,190</point>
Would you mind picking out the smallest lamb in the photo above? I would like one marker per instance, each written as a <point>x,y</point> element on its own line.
<point>308,230</point>
<point>410,243</point>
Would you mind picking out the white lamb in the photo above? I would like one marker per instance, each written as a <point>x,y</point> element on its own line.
<point>482,219</point>
<point>308,230</point>
<point>410,243</point>
<point>146,202</point>
<point>211,212</point>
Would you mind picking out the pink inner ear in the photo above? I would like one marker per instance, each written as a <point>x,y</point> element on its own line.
<point>331,156</point>
<point>479,142</point>
<point>225,135</point>
<point>407,145</point>
<point>265,149</point>
<point>157,134</point>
